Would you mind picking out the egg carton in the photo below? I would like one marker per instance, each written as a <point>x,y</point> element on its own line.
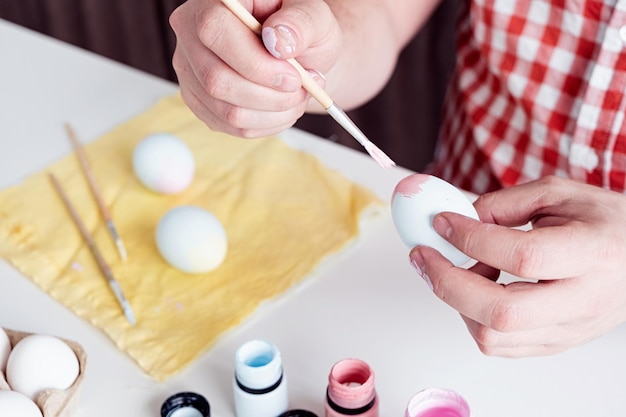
<point>54,402</point>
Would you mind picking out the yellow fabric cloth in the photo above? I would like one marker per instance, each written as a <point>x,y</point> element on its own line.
<point>282,209</point>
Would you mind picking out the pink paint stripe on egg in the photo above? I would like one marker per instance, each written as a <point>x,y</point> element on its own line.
<point>411,185</point>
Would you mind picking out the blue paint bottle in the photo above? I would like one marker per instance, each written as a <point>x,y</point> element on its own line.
<point>260,384</point>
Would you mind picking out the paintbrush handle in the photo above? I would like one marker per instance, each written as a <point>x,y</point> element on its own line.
<point>102,265</point>
<point>93,248</point>
<point>86,168</point>
<point>317,92</point>
<point>308,82</point>
<point>244,15</point>
<point>313,88</point>
<point>95,191</point>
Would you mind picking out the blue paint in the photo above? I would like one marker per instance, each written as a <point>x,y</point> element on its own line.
<point>259,361</point>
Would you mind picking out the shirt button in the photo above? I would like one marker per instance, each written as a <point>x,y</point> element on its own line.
<point>622,34</point>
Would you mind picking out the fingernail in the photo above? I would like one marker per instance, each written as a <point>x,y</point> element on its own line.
<point>279,40</point>
<point>287,82</point>
<point>442,226</point>
<point>417,261</point>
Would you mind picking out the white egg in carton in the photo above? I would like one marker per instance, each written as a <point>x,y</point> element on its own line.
<point>51,402</point>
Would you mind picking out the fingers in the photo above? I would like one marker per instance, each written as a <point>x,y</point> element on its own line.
<point>515,206</point>
<point>246,117</point>
<point>577,236</point>
<point>241,49</point>
<point>216,81</point>
<point>486,271</point>
<point>226,76</point>
<point>541,253</point>
<point>211,39</point>
<point>514,307</point>
<point>536,342</point>
<point>571,224</point>
<point>547,340</point>
<point>228,117</point>
<point>468,293</point>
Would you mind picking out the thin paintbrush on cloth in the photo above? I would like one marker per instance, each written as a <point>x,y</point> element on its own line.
<point>104,211</point>
<point>102,265</point>
<point>316,91</point>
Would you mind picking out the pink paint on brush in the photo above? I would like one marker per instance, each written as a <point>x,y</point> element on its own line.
<point>351,390</point>
<point>411,185</point>
<point>379,156</point>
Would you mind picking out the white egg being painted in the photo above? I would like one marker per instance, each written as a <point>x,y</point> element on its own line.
<point>191,239</point>
<point>163,163</point>
<point>415,202</point>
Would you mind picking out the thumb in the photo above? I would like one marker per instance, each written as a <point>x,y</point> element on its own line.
<point>303,29</point>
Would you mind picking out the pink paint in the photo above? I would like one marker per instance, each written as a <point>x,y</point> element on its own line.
<point>411,185</point>
<point>440,412</point>
<point>351,390</point>
<point>437,402</point>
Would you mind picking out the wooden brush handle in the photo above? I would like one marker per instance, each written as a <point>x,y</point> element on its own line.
<point>86,168</point>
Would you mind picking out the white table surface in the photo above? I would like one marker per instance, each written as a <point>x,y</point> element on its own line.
<point>368,303</point>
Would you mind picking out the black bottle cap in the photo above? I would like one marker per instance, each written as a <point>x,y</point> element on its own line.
<point>298,413</point>
<point>185,399</point>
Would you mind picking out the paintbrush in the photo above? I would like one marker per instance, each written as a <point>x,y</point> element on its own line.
<point>93,186</point>
<point>316,91</point>
<point>104,267</point>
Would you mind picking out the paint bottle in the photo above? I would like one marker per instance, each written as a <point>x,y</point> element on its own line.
<point>351,390</point>
<point>259,385</point>
<point>437,402</point>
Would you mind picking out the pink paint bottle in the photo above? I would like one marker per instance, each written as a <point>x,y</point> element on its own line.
<point>436,402</point>
<point>351,390</point>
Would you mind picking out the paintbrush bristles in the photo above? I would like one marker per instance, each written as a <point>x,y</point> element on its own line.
<point>379,156</point>
<point>342,118</point>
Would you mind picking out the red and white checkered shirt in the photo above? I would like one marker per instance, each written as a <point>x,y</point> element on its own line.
<point>540,89</point>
